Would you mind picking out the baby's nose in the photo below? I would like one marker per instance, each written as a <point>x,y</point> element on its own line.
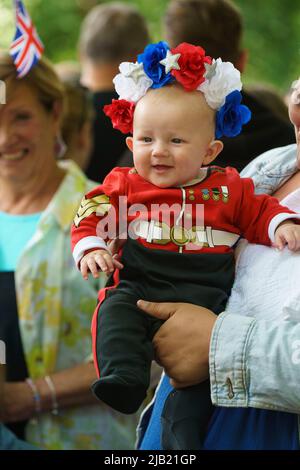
<point>160,150</point>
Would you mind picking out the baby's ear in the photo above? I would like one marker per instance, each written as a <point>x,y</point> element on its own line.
<point>129,143</point>
<point>213,150</point>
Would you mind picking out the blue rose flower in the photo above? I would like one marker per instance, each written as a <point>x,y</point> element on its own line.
<point>231,116</point>
<point>150,58</point>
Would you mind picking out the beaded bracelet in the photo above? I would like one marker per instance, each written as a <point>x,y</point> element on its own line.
<point>50,384</point>
<point>36,395</point>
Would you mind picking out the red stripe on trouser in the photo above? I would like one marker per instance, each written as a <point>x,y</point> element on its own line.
<point>94,326</point>
<point>94,338</point>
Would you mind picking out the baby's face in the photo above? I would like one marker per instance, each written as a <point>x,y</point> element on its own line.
<point>173,131</point>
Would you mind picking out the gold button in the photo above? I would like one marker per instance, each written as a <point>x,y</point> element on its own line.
<point>191,191</point>
<point>191,198</point>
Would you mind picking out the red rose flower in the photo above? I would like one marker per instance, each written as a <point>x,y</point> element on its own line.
<point>191,62</point>
<point>121,114</point>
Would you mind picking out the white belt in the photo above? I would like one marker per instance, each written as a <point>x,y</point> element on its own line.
<point>160,233</point>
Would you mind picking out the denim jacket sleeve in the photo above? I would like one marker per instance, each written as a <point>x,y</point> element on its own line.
<point>272,168</point>
<point>255,363</point>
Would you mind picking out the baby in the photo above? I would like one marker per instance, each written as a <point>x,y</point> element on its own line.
<point>181,216</point>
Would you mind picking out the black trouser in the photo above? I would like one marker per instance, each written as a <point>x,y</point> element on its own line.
<point>124,333</point>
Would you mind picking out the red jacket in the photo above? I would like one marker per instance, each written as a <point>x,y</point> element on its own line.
<point>230,207</point>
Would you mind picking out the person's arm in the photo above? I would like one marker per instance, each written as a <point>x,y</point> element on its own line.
<point>97,219</point>
<point>262,219</point>
<point>251,363</point>
<point>72,388</point>
<point>181,344</point>
<point>86,233</point>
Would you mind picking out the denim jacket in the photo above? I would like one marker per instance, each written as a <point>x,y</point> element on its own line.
<point>242,372</point>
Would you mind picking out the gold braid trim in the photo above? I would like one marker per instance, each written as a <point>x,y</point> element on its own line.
<point>99,204</point>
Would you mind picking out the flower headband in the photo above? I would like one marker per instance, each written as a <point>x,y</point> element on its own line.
<point>158,65</point>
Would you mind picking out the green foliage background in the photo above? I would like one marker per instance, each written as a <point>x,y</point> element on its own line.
<point>272,32</point>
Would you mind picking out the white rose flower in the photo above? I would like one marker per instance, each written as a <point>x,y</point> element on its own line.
<point>132,83</point>
<point>226,78</point>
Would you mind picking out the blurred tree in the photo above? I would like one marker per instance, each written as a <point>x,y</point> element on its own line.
<point>272,36</point>
<point>272,32</point>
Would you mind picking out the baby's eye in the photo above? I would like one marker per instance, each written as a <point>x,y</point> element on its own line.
<point>147,139</point>
<point>176,140</point>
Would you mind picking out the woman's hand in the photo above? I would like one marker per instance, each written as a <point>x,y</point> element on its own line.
<point>182,342</point>
<point>17,403</point>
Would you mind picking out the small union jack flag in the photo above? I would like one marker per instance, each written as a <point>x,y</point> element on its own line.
<point>26,48</point>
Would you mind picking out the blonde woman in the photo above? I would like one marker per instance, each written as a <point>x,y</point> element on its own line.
<point>46,307</point>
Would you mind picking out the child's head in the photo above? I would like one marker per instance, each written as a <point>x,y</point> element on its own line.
<point>110,33</point>
<point>176,101</point>
<point>173,136</point>
<point>216,25</point>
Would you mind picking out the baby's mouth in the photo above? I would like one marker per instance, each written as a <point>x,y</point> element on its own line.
<point>161,167</point>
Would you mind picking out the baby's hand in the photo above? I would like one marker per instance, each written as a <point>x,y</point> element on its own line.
<point>287,233</point>
<point>96,259</point>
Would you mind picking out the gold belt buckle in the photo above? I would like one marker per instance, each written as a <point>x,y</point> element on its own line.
<point>179,235</point>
